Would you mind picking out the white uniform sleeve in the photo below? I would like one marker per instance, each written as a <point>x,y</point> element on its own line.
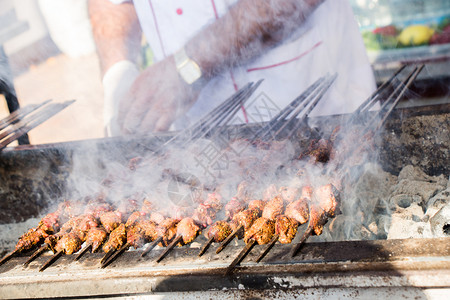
<point>119,1</point>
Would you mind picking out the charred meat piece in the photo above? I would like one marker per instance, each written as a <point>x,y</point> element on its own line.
<point>219,231</point>
<point>257,205</point>
<point>110,220</point>
<point>243,191</point>
<point>289,194</point>
<point>134,218</point>
<point>117,238</point>
<point>96,237</point>
<point>214,201</point>
<point>135,237</point>
<point>286,228</point>
<point>204,214</point>
<point>233,207</point>
<point>50,223</point>
<point>188,229</point>
<point>261,231</point>
<point>307,192</point>
<point>30,239</point>
<point>273,208</point>
<point>148,229</point>
<point>298,210</point>
<point>167,230</point>
<point>245,218</point>
<point>69,243</point>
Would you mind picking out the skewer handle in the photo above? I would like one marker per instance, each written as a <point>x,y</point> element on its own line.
<point>305,236</point>
<point>206,246</point>
<point>240,257</point>
<point>51,260</point>
<point>36,254</point>
<point>116,255</point>
<point>8,256</point>
<point>85,249</point>
<point>229,239</point>
<point>268,248</point>
<point>151,246</point>
<point>170,247</point>
<point>107,255</point>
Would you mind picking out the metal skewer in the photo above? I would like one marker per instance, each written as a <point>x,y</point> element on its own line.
<point>244,252</point>
<point>151,246</point>
<point>36,254</point>
<point>107,255</point>
<point>229,239</point>
<point>169,248</point>
<point>9,256</point>
<point>83,251</point>
<point>51,260</point>
<point>116,255</point>
<point>268,248</point>
<point>305,236</point>
<point>206,246</point>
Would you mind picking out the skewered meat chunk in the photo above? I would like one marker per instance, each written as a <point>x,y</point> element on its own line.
<point>167,230</point>
<point>135,237</point>
<point>270,192</point>
<point>219,231</point>
<point>148,229</point>
<point>157,217</point>
<point>96,237</point>
<point>273,208</point>
<point>325,205</point>
<point>69,243</point>
<point>243,191</point>
<point>50,223</point>
<point>128,206</point>
<point>117,238</point>
<point>286,228</point>
<point>233,207</point>
<point>261,231</point>
<point>110,220</point>
<point>134,218</point>
<point>289,194</point>
<point>298,210</point>
<point>30,239</point>
<point>245,218</point>
<point>96,209</point>
<point>257,205</point>
<point>188,229</point>
<point>51,240</point>
<point>214,200</point>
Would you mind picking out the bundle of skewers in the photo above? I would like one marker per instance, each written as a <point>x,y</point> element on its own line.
<point>274,215</point>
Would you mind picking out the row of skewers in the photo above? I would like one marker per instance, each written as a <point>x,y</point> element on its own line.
<point>273,218</point>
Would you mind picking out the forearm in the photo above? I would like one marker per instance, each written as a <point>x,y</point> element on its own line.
<point>247,30</point>
<point>116,30</point>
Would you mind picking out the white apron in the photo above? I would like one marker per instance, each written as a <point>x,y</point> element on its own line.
<point>328,42</point>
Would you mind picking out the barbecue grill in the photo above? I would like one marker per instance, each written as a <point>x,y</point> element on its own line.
<point>416,267</point>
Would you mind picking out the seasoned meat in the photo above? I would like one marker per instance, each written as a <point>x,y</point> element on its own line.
<point>261,231</point>
<point>270,192</point>
<point>298,210</point>
<point>286,228</point>
<point>157,217</point>
<point>69,243</point>
<point>117,238</point>
<point>188,229</point>
<point>134,218</point>
<point>30,239</point>
<point>214,201</point>
<point>51,240</point>
<point>71,224</point>
<point>204,214</point>
<point>167,230</point>
<point>220,230</point>
<point>147,206</point>
<point>307,192</point>
<point>289,194</point>
<point>50,223</point>
<point>148,229</point>
<point>110,220</point>
<point>317,218</point>
<point>135,237</point>
<point>128,206</point>
<point>96,237</point>
<point>96,209</point>
<point>245,218</point>
<point>233,207</point>
<point>84,225</point>
<point>273,208</point>
<point>243,191</point>
<point>327,197</point>
<point>257,205</point>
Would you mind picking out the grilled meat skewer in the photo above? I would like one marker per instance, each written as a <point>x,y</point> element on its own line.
<point>69,243</point>
<point>216,233</point>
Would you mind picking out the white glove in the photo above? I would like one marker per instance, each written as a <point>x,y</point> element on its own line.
<point>117,82</point>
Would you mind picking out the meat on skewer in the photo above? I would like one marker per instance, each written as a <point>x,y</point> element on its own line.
<point>94,239</point>
<point>117,238</point>
<point>165,232</point>
<point>69,243</point>
<point>218,232</point>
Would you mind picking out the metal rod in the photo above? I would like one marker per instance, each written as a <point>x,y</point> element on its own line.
<point>169,248</point>
<point>51,260</point>
<point>268,248</point>
<point>206,246</point>
<point>116,255</point>
<point>9,256</point>
<point>305,236</point>
<point>244,252</point>
<point>20,113</point>
<point>151,246</point>
<point>107,255</point>
<point>83,251</point>
<point>36,254</point>
<point>229,239</point>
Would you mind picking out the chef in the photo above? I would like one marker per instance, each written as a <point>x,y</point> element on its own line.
<point>205,50</point>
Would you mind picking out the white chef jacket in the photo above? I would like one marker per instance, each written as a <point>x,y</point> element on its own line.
<point>327,42</point>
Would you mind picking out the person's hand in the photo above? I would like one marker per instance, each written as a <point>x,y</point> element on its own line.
<point>157,98</point>
<point>116,85</point>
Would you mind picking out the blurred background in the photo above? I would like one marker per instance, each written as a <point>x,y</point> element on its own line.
<point>47,52</point>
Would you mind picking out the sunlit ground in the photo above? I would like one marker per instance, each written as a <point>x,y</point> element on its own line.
<point>63,78</point>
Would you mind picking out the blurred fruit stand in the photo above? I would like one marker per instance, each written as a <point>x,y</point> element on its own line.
<point>406,31</point>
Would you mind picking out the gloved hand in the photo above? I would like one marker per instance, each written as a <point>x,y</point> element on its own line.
<point>116,87</point>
